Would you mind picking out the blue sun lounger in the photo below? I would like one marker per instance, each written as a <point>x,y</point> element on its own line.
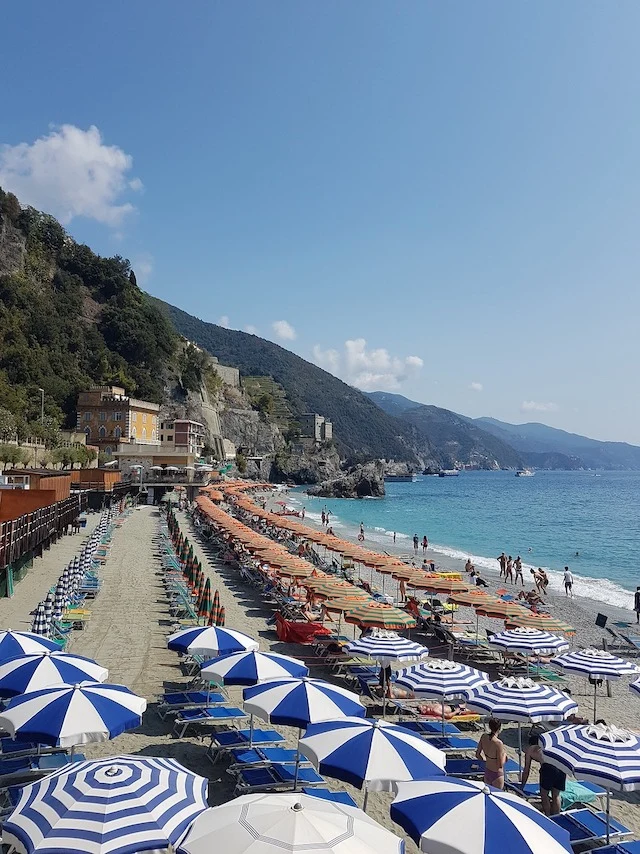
<point>475,767</point>
<point>454,744</point>
<point>428,729</point>
<point>206,715</point>
<point>235,739</point>
<point>632,847</point>
<point>336,797</point>
<point>275,778</point>
<point>12,771</point>
<point>243,757</point>
<point>176,702</point>
<point>584,825</point>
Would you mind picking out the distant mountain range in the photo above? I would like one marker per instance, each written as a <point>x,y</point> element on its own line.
<point>534,444</point>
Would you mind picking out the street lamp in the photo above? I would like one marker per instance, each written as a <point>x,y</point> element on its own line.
<point>41,390</point>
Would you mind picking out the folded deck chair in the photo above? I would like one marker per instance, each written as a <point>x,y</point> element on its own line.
<point>206,715</point>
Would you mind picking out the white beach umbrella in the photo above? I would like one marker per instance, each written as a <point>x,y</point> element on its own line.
<point>288,822</point>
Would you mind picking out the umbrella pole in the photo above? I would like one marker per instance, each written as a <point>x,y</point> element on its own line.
<point>595,698</point>
<point>442,707</point>
<point>366,798</point>
<point>251,731</point>
<point>295,779</point>
<point>608,815</point>
<point>519,751</point>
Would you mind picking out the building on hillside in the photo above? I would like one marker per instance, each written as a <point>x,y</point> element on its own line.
<point>183,435</point>
<point>38,480</point>
<point>109,417</point>
<point>229,376</point>
<point>315,428</point>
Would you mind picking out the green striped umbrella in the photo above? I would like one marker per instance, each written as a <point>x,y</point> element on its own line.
<point>221,616</point>
<point>204,605</point>
<point>379,616</point>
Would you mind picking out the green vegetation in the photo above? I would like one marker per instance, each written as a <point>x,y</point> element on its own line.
<point>11,455</point>
<point>70,319</point>
<point>241,463</point>
<point>192,365</point>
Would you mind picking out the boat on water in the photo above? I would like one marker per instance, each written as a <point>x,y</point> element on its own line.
<point>524,473</point>
<point>448,473</point>
<point>401,478</point>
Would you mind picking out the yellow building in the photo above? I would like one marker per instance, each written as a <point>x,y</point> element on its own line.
<point>109,417</point>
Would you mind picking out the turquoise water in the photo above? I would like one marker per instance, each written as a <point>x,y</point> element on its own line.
<point>545,519</point>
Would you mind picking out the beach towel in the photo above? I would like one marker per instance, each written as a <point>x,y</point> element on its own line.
<point>304,633</point>
<point>575,793</point>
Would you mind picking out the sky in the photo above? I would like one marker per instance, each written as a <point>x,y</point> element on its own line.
<point>435,199</point>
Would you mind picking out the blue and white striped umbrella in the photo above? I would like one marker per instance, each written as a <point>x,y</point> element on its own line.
<point>596,664</point>
<point>39,625</point>
<point>447,816</point>
<point>439,677</point>
<point>298,702</point>
<point>251,668</point>
<point>601,754</point>
<point>604,755</point>
<point>118,805</point>
<point>67,715</point>
<point>27,673</point>
<point>387,646</point>
<point>48,610</point>
<point>633,686</point>
<point>211,641</point>
<point>372,752</point>
<point>528,641</point>
<point>520,699</point>
<point>23,643</point>
<point>60,600</point>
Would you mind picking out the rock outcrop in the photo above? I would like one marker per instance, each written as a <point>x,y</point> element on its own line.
<point>365,481</point>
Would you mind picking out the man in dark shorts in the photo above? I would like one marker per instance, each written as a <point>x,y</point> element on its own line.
<point>553,781</point>
<point>636,604</point>
<point>502,560</point>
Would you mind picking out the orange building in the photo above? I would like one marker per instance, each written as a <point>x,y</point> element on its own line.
<point>110,417</point>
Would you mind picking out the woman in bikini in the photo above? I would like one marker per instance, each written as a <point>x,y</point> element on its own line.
<point>491,749</point>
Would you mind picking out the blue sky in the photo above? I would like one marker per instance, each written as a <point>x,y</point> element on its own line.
<point>438,199</point>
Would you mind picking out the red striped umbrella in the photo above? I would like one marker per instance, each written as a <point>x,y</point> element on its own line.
<point>221,616</point>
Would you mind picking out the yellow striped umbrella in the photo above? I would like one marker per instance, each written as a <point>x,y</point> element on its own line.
<point>343,604</point>
<point>445,585</point>
<point>473,597</point>
<point>379,616</point>
<point>500,610</point>
<point>544,622</point>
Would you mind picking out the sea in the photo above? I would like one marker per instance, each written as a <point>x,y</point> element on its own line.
<point>589,521</point>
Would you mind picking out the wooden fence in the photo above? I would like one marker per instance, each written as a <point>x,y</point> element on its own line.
<point>37,530</point>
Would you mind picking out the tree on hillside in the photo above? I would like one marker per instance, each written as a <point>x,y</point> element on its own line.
<point>7,425</point>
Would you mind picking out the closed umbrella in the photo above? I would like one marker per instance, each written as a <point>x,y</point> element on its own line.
<point>66,715</point>
<point>205,603</point>
<point>447,816</point>
<point>595,664</point>
<point>521,700</point>
<point>48,610</point>
<point>221,616</point>
<point>299,702</point>
<point>211,641</point>
<point>39,625</point>
<point>13,644</point>
<point>370,753</point>
<point>288,822</point>
<point>60,599</point>
<point>605,755</point>
<point>118,805</point>
<point>441,678</point>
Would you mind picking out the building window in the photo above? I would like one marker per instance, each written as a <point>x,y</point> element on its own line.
<point>87,416</point>
<point>107,450</point>
<point>170,438</point>
<point>133,432</point>
<point>87,431</point>
<point>117,416</point>
<point>144,432</point>
<point>103,416</point>
<point>117,432</point>
<point>155,419</point>
<point>153,435</point>
<point>102,433</point>
<point>144,417</point>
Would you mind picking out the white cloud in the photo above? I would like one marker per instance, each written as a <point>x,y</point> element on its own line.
<point>534,406</point>
<point>284,330</point>
<point>142,266</point>
<point>251,329</point>
<point>70,173</point>
<point>367,369</point>
<point>223,321</point>
<point>476,386</point>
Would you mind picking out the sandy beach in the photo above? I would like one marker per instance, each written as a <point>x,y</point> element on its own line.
<point>129,625</point>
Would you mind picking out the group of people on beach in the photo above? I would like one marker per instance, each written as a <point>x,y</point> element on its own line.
<point>416,543</point>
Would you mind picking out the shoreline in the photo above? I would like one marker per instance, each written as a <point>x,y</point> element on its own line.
<point>580,611</point>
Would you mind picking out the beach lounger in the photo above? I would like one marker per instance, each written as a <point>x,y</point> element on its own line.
<point>430,729</point>
<point>576,792</point>
<point>177,702</point>
<point>233,739</point>
<point>244,757</point>
<point>10,749</point>
<point>632,847</point>
<point>275,778</point>
<point>454,744</point>
<point>330,795</point>
<point>26,769</point>
<point>206,715</point>
<point>584,825</point>
<point>474,768</point>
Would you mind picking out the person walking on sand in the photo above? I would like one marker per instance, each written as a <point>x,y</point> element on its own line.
<point>416,542</point>
<point>508,573</point>
<point>323,517</point>
<point>636,604</point>
<point>502,560</point>
<point>517,565</point>
<point>568,582</point>
<point>425,544</point>
<point>544,579</point>
<point>302,513</point>
<point>394,537</point>
<point>491,750</point>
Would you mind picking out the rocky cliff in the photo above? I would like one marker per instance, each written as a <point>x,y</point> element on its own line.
<point>365,481</point>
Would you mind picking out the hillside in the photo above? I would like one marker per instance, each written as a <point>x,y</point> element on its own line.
<point>360,428</point>
<point>69,319</point>
<point>458,439</point>
<point>537,439</point>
